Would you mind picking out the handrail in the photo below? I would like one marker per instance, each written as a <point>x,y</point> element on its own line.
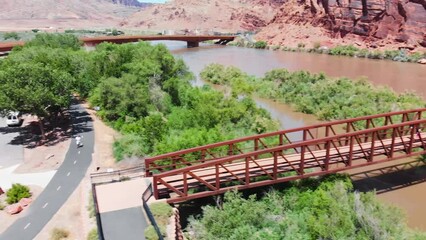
<point>337,122</point>
<point>152,160</point>
<point>145,197</point>
<point>284,147</point>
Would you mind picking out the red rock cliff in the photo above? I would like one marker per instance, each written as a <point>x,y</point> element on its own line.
<point>375,22</point>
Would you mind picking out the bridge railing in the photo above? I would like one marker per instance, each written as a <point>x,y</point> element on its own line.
<point>197,155</point>
<point>280,163</point>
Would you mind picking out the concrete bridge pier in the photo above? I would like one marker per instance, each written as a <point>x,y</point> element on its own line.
<point>190,44</point>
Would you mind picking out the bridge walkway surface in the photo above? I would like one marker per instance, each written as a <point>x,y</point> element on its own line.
<point>118,203</point>
<point>272,158</point>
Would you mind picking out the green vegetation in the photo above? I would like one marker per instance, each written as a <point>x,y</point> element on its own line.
<point>93,234</point>
<point>145,94</point>
<point>16,193</point>
<point>59,233</point>
<point>401,55</point>
<point>325,208</point>
<point>162,212</point>
<point>91,206</point>
<point>11,35</point>
<point>327,98</point>
<point>260,44</point>
<point>40,77</point>
<point>2,206</point>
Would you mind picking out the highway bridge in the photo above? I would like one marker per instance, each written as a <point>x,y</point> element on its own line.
<point>271,158</point>
<point>192,41</point>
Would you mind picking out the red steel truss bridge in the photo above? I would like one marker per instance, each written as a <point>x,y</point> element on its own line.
<point>271,158</point>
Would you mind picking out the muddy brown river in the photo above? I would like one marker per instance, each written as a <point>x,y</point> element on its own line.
<point>401,183</point>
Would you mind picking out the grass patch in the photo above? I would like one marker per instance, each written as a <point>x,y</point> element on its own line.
<point>162,212</point>
<point>93,234</point>
<point>59,233</point>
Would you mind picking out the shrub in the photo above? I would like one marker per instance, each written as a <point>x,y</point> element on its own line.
<point>260,45</point>
<point>151,234</point>
<point>161,211</point>
<point>345,50</point>
<point>11,35</point>
<point>93,234</point>
<point>35,30</point>
<point>316,45</point>
<point>17,192</point>
<point>300,45</point>
<point>59,233</point>
<point>363,53</point>
<point>2,206</point>
<point>375,55</point>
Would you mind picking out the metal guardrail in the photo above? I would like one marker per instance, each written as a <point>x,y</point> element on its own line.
<point>118,175</point>
<point>110,177</point>
<point>145,197</point>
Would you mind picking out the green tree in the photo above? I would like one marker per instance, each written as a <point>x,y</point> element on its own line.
<point>65,41</point>
<point>36,89</point>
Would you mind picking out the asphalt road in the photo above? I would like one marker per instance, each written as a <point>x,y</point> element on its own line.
<point>65,181</point>
<point>11,151</point>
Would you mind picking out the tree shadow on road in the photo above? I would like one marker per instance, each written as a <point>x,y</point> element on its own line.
<point>56,130</point>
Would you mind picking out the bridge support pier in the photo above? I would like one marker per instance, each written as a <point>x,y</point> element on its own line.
<point>192,44</point>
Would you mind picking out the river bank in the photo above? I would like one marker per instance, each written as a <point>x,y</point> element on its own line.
<point>350,50</point>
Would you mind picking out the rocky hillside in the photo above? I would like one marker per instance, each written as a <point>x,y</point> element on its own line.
<point>60,14</point>
<point>214,15</point>
<point>366,23</point>
<point>374,23</point>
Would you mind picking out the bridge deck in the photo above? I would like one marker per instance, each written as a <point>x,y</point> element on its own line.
<point>280,164</point>
<point>8,46</point>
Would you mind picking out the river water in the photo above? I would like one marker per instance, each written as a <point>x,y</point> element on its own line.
<point>398,76</point>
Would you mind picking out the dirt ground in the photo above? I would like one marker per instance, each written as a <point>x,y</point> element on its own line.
<point>5,219</point>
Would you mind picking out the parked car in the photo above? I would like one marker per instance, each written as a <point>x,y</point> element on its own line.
<point>14,119</point>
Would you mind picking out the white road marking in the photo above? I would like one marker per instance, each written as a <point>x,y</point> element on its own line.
<point>78,152</point>
<point>68,174</point>
<point>26,226</point>
<point>75,162</point>
<point>58,188</point>
<point>45,205</point>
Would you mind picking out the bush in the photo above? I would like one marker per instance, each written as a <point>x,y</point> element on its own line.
<point>327,98</point>
<point>162,212</point>
<point>93,234</point>
<point>35,30</point>
<point>345,50</point>
<point>151,234</point>
<point>17,192</point>
<point>322,208</point>
<point>260,45</point>
<point>59,233</point>
<point>301,45</point>
<point>11,35</point>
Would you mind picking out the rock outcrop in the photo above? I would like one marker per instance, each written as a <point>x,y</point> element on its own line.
<point>375,22</point>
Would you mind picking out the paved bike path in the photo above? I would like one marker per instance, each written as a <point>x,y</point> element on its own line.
<point>63,183</point>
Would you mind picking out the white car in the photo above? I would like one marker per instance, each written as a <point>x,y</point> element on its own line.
<point>14,119</point>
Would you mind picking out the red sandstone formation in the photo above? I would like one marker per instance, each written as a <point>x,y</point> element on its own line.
<point>374,22</point>
<point>205,15</point>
